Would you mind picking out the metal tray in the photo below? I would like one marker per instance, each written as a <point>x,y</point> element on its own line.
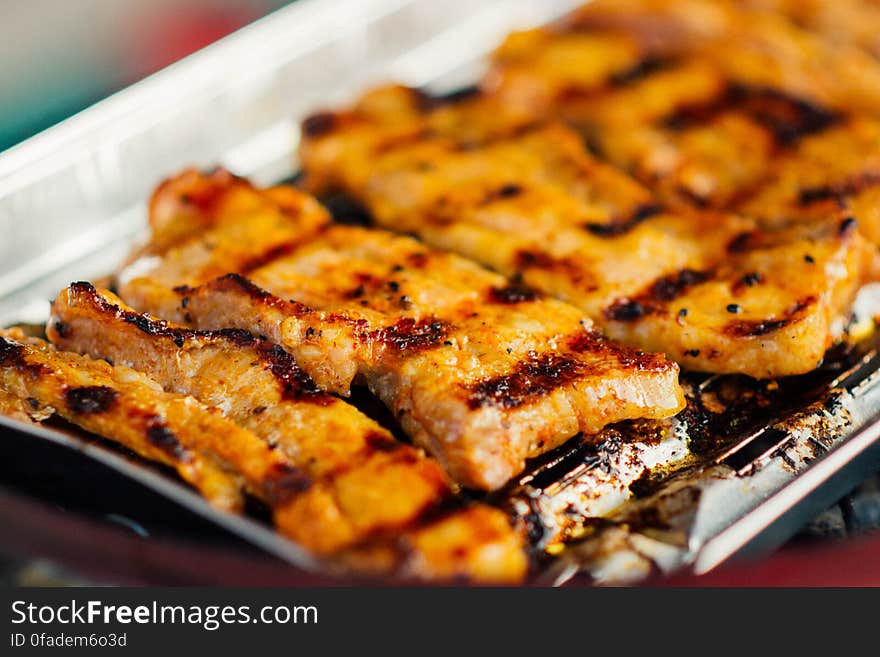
<point>616,507</point>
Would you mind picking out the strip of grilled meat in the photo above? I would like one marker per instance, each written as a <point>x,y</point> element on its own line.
<point>482,372</point>
<point>387,486</point>
<point>376,483</point>
<point>717,292</point>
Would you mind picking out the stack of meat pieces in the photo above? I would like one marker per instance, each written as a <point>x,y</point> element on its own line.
<point>268,310</point>
<point>696,180</point>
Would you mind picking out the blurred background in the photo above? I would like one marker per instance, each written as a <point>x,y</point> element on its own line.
<point>60,56</point>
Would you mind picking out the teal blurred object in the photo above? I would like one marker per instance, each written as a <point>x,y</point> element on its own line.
<point>59,56</point>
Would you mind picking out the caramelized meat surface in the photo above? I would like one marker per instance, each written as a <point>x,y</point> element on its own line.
<point>717,292</point>
<point>480,371</point>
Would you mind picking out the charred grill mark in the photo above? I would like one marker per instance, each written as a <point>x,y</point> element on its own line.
<point>742,242</point>
<point>408,334</point>
<point>509,190</point>
<point>641,70</point>
<point>159,435</point>
<point>11,353</point>
<point>852,185</point>
<point>593,342</point>
<point>268,256</point>
<point>90,399</point>
<point>158,327</point>
<point>238,282</point>
<point>787,118</point>
<point>618,228</point>
<point>570,267</point>
<point>14,355</point>
<point>512,293</point>
<point>652,300</point>
<point>533,378</point>
<point>847,226</point>
<point>625,310</point>
<point>417,259</point>
<point>757,328</point>
<point>296,385</point>
<point>283,482</point>
<point>381,442</point>
<point>673,286</point>
<point>319,124</point>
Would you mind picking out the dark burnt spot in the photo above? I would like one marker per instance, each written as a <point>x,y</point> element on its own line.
<point>617,228</point>
<point>671,287</point>
<point>733,308</point>
<point>509,190</point>
<point>161,436</point>
<point>357,292</point>
<point>526,259</point>
<point>757,328</point>
<point>512,293</point>
<point>319,124</point>
<point>295,384</point>
<point>683,312</point>
<point>11,353</point>
<point>692,352</point>
<point>536,377</point>
<point>641,70</point>
<point>33,402</point>
<point>809,259</point>
<point>417,259</point>
<point>283,482</point>
<point>394,286</point>
<point>409,334</point>
<point>847,226</point>
<point>90,399</point>
<point>748,280</point>
<point>63,329</point>
<point>814,194</point>
<point>852,185</point>
<point>788,118</point>
<point>625,310</point>
<point>381,442</point>
<point>650,301</point>
<point>184,302</point>
<point>742,242</point>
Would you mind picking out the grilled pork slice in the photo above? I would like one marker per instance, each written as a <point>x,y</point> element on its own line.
<point>481,372</point>
<point>714,291</point>
<point>374,482</point>
<point>378,484</point>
